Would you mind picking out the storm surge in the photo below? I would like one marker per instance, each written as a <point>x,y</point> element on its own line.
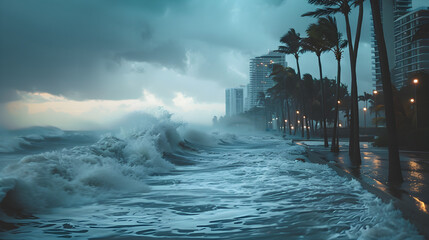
<point>158,179</point>
<point>118,162</point>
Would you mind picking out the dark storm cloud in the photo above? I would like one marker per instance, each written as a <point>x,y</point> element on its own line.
<point>60,46</point>
<point>78,48</point>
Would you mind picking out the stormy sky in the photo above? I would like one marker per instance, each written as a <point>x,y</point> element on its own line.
<point>75,63</point>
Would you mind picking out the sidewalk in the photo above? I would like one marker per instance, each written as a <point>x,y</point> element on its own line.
<point>411,197</point>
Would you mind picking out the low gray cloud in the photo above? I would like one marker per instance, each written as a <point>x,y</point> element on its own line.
<point>80,49</point>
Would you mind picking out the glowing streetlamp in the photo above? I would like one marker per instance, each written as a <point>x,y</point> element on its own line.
<point>339,102</point>
<point>415,82</point>
<point>412,100</point>
<point>364,115</point>
<point>375,92</point>
<point>297,112</point>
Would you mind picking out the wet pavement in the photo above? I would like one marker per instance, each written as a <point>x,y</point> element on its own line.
<point>411,197</point>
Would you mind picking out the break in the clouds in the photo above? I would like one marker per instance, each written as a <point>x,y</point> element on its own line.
<point>115,50</point>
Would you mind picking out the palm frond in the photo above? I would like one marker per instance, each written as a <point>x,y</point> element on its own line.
<point>322,12</point>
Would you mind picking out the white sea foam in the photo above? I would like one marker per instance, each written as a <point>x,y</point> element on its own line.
<point>86,173</point>
<point>243,187</point>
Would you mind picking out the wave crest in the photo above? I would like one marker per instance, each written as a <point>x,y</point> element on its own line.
<point>83,174</point>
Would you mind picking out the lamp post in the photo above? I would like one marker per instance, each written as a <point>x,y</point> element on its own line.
<point>297,122</point>
<point>375,92</point>
<point>364,116</point>
<point>415,82</point>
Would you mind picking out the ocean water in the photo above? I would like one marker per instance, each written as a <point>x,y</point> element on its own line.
<point>158,179</point>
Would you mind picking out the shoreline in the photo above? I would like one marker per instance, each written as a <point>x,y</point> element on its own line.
<point>412,209</point>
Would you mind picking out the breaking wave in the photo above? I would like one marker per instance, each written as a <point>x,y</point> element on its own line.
<point>117,162</point>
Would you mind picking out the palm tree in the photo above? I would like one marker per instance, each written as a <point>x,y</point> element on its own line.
<point>309,99</point>
<point>365,98</point>
<point>293,46</point>
<point>316,43</point>
<point>395,174</point>
<point>377,105</point>
<point>336,43</point>
<point>285,87</point>
<point>331,7</point>
<point>292,40</point>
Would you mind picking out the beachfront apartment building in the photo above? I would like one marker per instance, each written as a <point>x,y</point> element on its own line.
<point>234,101</point>
<point>391,10</point>
<point>410,55</point>
<point>260,80</point>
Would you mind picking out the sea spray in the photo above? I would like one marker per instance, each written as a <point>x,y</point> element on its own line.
<point>87,173</point>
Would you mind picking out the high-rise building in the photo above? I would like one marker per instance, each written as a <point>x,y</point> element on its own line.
<point>260,80</point>
<point>410,55</point>
<point>234,101</point>
<point>390,10</point>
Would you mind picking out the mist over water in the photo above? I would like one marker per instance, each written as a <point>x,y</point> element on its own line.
<point>152,178</point>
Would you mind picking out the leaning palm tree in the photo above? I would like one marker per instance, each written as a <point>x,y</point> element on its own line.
<point>337,44</point>
<point>316,43</point>
<point>292,41</point>
<point>331,7</point>
<point>293,46</point>
<point>395,174</point>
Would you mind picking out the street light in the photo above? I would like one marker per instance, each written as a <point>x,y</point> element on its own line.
<point>415,81</point>
<point>339,102</point>
<point>297,112</point>
<point>364,115</point>
<point>375,92</point>
<point>412,100</point>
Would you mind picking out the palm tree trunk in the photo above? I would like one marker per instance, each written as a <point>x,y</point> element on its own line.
<point>283,117</point>
<point>302,94</point>
<point>358,30</point>
<point>395,174</point>
<point>335,145</point>
<point>288,115</point>
<point>312,127</point>
<point>297,66</point>
<point>307,125</point>
<point>322,83</point>
<point>354,148</point>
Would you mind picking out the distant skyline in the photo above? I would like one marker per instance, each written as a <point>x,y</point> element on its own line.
<point>85,64</point>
